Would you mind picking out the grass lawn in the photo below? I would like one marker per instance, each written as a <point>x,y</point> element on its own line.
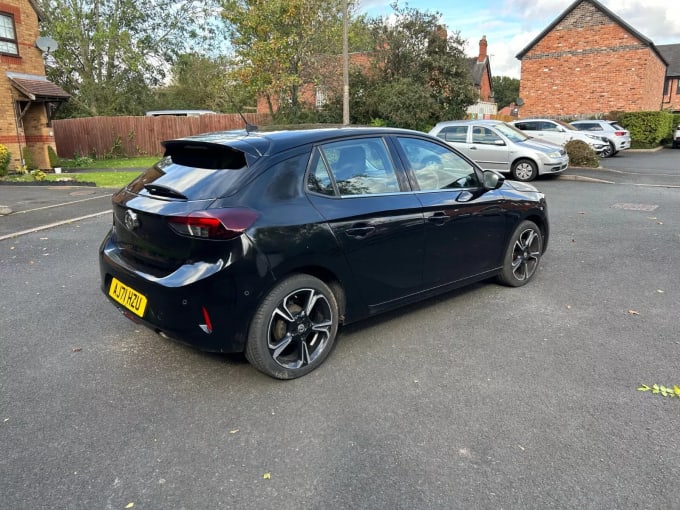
<point>104,179</point>
<point>101,179</point>
<point>140,162</point>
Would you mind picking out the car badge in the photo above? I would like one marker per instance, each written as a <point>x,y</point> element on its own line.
<point>131,220</point>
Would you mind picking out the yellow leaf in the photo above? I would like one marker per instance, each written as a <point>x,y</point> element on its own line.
<point>267,476</point>
<point>129,505</point>
<point>676,390</point>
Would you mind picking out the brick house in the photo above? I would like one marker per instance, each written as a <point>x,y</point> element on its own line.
<point>671,88</point>
<point>27,98</point>
<point>480,71</point>
<point>590,62</point>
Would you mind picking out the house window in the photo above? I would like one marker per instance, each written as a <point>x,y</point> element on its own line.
<point>8,37</point>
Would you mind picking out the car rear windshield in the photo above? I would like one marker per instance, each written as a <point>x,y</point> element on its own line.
<point>193,172</point>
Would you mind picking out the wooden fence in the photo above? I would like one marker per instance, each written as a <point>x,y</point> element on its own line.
<point>99,137</point>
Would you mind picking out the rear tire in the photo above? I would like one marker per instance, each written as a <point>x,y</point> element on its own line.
<point>524,170</point>
<point>522,255</point>
<point>294,328</point>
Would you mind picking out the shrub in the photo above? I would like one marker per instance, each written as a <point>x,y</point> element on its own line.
<point>647,129</point>
<point>581,154</point>
<point>29,162</point>
<point>5,158</point>
<point>38,175</point>
<point>55,161</point>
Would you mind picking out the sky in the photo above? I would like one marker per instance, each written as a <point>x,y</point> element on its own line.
<point>510,25</point>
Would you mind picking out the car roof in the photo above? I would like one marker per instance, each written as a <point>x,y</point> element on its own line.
<point>261,143</point>
<point>488,122</point>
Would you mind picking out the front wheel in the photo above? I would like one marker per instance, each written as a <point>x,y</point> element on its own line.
<point>524,170</point>
<point>609,151</point>
<point>522,255</point>
<point>294,328</point>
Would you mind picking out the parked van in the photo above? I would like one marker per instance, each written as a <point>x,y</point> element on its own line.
<point>179,113</point>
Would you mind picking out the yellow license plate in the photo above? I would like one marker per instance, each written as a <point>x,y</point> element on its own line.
<point>128,297</point>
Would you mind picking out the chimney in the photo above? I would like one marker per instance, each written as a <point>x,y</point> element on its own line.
<point>482,49</point>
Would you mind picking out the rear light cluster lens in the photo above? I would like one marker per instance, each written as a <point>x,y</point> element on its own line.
<point>620,133</point>
<point>219,224</point>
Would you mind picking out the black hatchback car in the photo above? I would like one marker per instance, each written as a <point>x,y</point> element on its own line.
<point>267,242</point>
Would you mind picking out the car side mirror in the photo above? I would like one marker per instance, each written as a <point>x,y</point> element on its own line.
<point>499,142</point>
<point>493,180</point>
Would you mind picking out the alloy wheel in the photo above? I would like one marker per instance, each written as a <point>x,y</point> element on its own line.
<point>300,328</point>
<point>526,254</point>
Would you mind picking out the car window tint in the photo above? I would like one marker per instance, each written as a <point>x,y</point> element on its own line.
<point>319,180</point>
<point>453,133</point>
<point>361,166</point>
<point>548,126</point>
<point>484,135</point>
<point>436,167</point>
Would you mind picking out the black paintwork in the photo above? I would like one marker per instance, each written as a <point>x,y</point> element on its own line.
<point>376,251</point>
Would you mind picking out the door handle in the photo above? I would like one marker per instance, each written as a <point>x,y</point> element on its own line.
<point>360,232</point>
<point>439,218</point>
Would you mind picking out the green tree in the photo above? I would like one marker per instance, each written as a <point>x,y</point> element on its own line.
<point>505,89</point>
<point>420,76</point>
<point>201,82</point>
<point>111,52</point>
<point>277,43</point>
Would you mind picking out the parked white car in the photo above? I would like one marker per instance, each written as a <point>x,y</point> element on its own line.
<point>676,137</point>
<point>559,132</point>
<point>618,136</point>
<point>496,145</point>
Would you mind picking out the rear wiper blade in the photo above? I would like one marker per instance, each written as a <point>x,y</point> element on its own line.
<point>164,191</point>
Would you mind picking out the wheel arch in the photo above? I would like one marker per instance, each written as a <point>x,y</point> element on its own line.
<point>325,275</point>
<point>542,224</point>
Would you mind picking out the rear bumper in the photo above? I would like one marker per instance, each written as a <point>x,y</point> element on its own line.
<point>205,305</point>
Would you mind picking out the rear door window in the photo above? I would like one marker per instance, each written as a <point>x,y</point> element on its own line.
<point>360,166</point>
<point>453,133</point>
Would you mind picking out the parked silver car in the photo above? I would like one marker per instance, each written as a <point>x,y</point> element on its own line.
<point>559,132</point>
<point>496,145</point>
<point>617,135</point>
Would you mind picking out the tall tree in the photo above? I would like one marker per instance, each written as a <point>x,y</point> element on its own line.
<point>201,82</point>
<point>505,89</point>
<point>421,74</point>
<point>276,43</point>
<point>112,51</point>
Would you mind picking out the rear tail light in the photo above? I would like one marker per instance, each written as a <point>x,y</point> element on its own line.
<point>220,224</point>
<point>620,133</point>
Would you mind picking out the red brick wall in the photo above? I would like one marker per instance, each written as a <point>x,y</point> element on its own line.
<point>33,131</point>
<point>590,64</point>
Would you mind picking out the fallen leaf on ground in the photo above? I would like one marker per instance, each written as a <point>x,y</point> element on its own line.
<point>267,476</point>
<point>633,312</point>
<point>77,349</point>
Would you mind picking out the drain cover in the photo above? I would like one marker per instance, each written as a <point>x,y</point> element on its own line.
<point>636,207</point>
